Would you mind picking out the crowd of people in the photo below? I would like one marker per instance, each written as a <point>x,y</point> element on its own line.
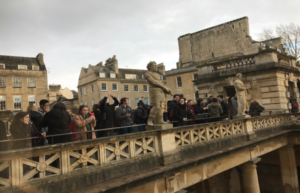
<point>104,119</point>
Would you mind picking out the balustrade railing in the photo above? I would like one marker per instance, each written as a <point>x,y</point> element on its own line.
<point>21,166</point>
<point>243,61</point>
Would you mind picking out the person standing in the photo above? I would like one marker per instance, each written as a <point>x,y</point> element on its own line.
<point>84,122</point>
<point>209,100</point>
<point>172,104</point>
<point>123,116</point>
<point>140,116</point>
<point>44,106</point>
<point>97,114</point>
<point>180,113</point>
<point>57,120</point>
<point>253,109</point>
<point>234,105</point>
<point>215,108</point>
<point>107,113</point>
<point>223,104</point>
<point>190,111</point>
<point>35,116</point>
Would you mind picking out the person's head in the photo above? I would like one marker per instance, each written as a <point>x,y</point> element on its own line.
<point>214,100</point>
<point>124,101</point>
<point>199,102</point>
<point>220,98</point>
<point>252,100</point>
<point>83,110</point>
<point>151,66</point>
<point>181,101</point>
<point>44,104</point>
<point>61,106</point>
<point>31,108</point>
<point>95,107</point>
<point>20,119</point>
<point>140,105</point>
<point>189,103</point>
<point>176,97</point>
<point>210,98</point>
<point>239,75</point>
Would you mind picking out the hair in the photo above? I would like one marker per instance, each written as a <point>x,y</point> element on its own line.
<point>17,123</point>
<point>81,107</point>
<point>43,102</point>
<point>31,108</point>
<point>221,96</point>
<point>60,108</point>
<point>199,101</point>
<point>189,101</point>
<point>123,100</point>
<point>150,64</point>
<point>210,96</point>
<point>175,95</point>
<point>215,100</point>
<point>95,107</point>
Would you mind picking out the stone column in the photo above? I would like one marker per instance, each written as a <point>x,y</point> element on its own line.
<point>289,169</point>
<point>250,177</point>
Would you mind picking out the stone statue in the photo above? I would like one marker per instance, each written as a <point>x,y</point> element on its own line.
<point>158,94</point>
<point>241,94</point>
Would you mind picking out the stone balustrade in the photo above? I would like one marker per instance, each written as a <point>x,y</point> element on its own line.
<point>25,165</point>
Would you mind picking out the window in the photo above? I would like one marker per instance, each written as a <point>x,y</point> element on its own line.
<point>92,88</point>
<point>93,102</point>
<point>17,82</point>
<point>2,66</point>
<point>113,75</point>
<point>81,103</point>
<point>103,86</point>
<point>22,67</point>
<point>129,104</point>
<point>145,88</point>
<point>137,101</point>
<point>136,88</point>
<point>17,102</point>
<point>102,74</point>
<point>2,103</point>
<point>35,68</point>
<point>31,82</point>
<point>130,76</point>
<point>31,99</point>
<point>2,82</point>
<point>142,77</point>
<point>114,86</point>
<point>80,91</point>
<point>85,102</point>
<point>179,83</point>
<point>161,77</point>
<point>195,76</point>
<point>146,101</point>
<point>126,88</point>
<point>84,90</point>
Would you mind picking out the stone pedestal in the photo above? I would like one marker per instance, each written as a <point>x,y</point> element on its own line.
<point>158,127</point>
<point>289,170</point>
<point>250,178</point>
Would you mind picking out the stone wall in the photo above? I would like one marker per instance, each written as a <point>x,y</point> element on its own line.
<point>223,39</point>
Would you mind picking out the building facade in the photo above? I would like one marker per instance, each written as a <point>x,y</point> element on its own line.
<point>228,40</point>
<point>95,82</point>
<point>23,81</point>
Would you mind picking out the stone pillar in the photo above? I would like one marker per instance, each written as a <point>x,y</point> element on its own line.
<point>250,178</point>
<point>289,169</point>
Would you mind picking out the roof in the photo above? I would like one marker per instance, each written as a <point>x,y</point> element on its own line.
<point>138,72</point>
<point>12,62</point>
<point>75,94</point>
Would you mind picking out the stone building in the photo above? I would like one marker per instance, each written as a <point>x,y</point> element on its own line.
<point>23,81</point>
<point>97,81</point>
<point>228,40</point>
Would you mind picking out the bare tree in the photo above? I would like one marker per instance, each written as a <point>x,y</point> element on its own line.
<point>290,36</point>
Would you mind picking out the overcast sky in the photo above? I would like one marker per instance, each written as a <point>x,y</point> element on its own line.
<point>75,33</point>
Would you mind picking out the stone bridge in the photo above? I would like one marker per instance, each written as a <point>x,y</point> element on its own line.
<point>214,157</point>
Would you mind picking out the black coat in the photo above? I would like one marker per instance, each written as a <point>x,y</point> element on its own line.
<point>3,136</point>
<point>36,118</point>
<point>224,106</point>
<point>198,109</point>
<point>140,116</point>
<point>253,109</point>
<point>57,123</point>
<point>108,120</point>
<point>171,105</point>
<point>98,119</point>
<point>180,112</point>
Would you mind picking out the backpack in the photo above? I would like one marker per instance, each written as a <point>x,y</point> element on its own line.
<point>295,105</point>
<point>171,115</point>
<point>260,108</point>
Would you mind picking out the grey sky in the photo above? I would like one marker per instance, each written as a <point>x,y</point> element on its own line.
<point>74,33</point>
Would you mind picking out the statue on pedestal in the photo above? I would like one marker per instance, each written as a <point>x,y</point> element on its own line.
<point>158,94</point>
<point>241,94</point>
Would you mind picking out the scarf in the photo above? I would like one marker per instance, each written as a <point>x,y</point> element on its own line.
<point>88,126</point>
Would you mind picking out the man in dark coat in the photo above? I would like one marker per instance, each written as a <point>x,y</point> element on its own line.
<point>107,113</point>
<point>215,108</point>
<point>140,116</point>
<point>3,136</point>
<point>223,104</point>
<point>173,104</point>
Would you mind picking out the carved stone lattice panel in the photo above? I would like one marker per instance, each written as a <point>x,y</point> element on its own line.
<point>4,173</point>
<point>254,124</point>
<point>182,138</point>
<point>116,151</point>
<point>144,145</point>
<point>237,127</point>
<point>39,167</point>
<point>199,135</point>
<point>213,132</point>
<point>84,157</point>
<point>227,129</point>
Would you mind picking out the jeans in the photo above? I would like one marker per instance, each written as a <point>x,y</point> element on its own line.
<point>127,130</point>
<point>141,128</point>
